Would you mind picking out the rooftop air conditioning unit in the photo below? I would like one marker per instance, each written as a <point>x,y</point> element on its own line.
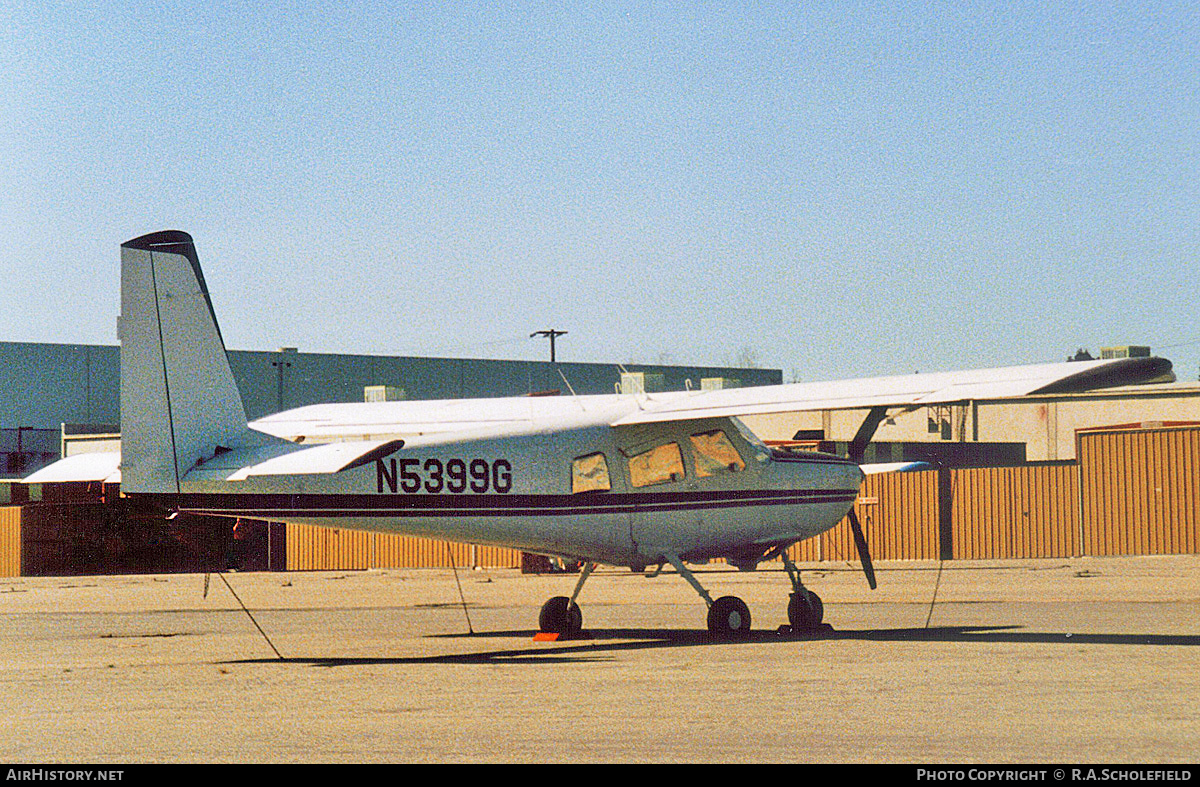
<point>383,393</point>
<point>1131,351</point>
<point>641,382</point>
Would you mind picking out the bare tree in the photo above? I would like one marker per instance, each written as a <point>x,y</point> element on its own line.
<point>747,358</point>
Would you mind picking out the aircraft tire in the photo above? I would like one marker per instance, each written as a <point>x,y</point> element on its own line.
<point>729,618</point>
<point>805,612</point>
<point>560,616</point>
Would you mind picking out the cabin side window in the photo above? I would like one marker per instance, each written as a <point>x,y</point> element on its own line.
<point>715,454</point>
<point>590,474</point>
<point>660,465</point>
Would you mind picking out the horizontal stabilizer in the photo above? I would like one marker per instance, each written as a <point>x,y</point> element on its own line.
<point>103,466</point>
<point>327,458</point>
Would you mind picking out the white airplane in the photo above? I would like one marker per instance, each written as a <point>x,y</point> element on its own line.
<point>624,480</point>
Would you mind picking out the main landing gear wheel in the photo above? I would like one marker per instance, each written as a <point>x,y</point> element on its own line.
<point>560,615</point>
<point>805,611</point>
<point>729,618</point>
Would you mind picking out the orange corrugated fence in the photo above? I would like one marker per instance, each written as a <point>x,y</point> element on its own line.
<point>10,541</point>
<point>311,548</point>
<point>899,516</point>
<point>1140,491</point>
<point>1015,512</point>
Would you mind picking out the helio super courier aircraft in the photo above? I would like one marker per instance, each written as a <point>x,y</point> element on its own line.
<point>624,480</point>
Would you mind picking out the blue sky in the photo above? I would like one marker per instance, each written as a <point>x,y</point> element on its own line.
<point>833,189</point>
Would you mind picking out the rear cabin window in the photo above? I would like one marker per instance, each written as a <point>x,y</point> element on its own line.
<point>660,465</point>
<point>715,454</point>
<point>590,474</point>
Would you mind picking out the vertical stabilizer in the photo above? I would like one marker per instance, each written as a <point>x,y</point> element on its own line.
<point>179,400</point>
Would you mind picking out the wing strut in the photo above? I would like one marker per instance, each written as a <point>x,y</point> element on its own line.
<point>858,446</point>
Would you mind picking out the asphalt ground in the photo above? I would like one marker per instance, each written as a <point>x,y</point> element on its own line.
<point>1082,660</point>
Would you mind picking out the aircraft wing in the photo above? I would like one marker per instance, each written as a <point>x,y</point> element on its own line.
<point>913,390</point>
<point>406,419</point>
<point>367,431</point>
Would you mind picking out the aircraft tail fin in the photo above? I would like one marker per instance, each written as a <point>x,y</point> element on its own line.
<point>179,400</point>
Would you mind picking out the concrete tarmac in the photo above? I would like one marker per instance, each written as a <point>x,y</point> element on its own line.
<point>1081,660</point>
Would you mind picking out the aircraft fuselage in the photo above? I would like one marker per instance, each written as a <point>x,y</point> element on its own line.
<point>699,490</point>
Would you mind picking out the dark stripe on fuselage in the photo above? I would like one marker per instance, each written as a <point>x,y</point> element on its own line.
<point>449,505</point>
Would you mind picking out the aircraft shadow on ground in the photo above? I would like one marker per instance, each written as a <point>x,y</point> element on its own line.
<point>604,644</point>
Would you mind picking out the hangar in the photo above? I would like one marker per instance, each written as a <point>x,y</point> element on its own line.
<point>51,387</point>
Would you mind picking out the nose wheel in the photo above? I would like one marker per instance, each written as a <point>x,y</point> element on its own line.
<point>805,611</point>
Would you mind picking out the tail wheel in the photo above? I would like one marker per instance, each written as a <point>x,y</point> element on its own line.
<point>729,618</point>
<point>560,615</point>
<point>805,611</point>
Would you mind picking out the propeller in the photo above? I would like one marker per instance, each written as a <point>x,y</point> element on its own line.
<point>864,554</point>
<point>855,450</point>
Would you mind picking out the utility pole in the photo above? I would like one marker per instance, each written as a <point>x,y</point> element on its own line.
<point>550,334</point>
<point>280,366</point>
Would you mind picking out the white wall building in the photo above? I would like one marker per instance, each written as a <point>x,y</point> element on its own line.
<point>1046,424</point>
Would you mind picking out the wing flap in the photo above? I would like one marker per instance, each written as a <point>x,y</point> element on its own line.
<point>320,459</point>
